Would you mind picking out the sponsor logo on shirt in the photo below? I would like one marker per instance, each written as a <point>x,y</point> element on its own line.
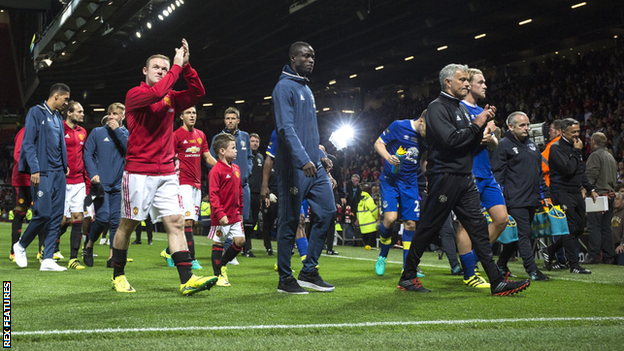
<point>193,149</point>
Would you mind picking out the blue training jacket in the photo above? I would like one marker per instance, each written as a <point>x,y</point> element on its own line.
<point>295,121</point>
<point>33,157</point>
<point>104,155</point>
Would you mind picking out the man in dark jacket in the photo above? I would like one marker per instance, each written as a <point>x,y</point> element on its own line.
<point>44,157</point>
<point>516,164</point>
<point>300,171</point>
<point>567,176</point>
<point>255,184</point>
<point>452,140</point>
<point>601,170</point>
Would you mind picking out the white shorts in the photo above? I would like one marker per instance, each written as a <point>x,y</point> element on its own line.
<point>89,212</point>
<point>74,198</point>
<point>220,234</point>
<point>191,197</point>
<point>158,196</point>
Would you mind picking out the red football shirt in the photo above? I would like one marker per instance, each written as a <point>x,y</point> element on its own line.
<point>190,146</point>
<point>75,142</point>
<point>19,179</point>
<point>226,193</point>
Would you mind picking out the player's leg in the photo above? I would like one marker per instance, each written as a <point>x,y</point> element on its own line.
<point>389,206</point>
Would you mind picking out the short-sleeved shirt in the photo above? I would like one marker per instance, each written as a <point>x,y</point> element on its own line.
<point>272,145</point>
<point>402,134</point>
<point>190,147</point>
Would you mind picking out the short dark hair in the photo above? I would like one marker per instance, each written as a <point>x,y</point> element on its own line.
<point>233,110</point>
<point>60,88</point>
<point>221,142</point>
<point>71,107</point>
<point>568,122</point>
<point>556,124</point>
<point>255,135</point>
<point>296,46</point>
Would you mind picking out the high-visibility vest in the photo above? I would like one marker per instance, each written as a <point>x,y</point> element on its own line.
<point>29,214</point>
<point>11,216</point>
<point>367,212</point>
<point>545,155</point>
<point>205,209</point>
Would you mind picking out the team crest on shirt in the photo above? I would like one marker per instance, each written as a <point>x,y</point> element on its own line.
<point>39,193</point>
<point>515,149</point>
<point>135,211</point>
<point>385,204</point>
<point>219,233</point>
<point>199,140</point>
<point>21,201</point>
<point>187,213</point>
<point>442,198</point>
<point>532,147</point>
<point>167,100</point>
<point>81,136</point>
<point>237,174</point>
<point>412,154</point>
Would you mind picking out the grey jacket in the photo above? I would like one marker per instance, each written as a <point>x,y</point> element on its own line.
<point>601,170</point>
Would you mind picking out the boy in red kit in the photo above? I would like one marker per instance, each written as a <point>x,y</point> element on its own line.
<point>150,185</point>
<point>226,202</point>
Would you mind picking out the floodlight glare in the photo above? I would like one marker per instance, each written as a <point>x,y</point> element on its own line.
<point>342,137</point>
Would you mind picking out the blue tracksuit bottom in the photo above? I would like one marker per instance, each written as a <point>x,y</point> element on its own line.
<point>107,210</point>
<point>294,187</point>
<point>48,205</point>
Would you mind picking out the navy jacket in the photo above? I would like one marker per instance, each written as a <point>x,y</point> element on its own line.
<point>295,121</point>
<point>517,167</point>
<point>33,157</point>
<point>244,156</point>
<point>452,137</point>
<point>567,171</point>
<point>104,155</point>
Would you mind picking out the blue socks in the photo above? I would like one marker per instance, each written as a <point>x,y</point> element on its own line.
<point>302,247</point>
<point>385,239</point>
<point>468,262</point>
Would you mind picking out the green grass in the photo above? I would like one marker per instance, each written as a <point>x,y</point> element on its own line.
<point>251,315</point>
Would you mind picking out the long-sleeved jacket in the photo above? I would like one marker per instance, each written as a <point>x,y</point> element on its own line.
<point>34,155</point>
<point>244,156</point>
<point>226,193</point>
<point>104,155</point>
<point>545,155</point>
<point>367,213</point>
<point>601,170</point>
<point>451,137</point>
<point>517,167</point>
<point>295,121</point>
<point>149,113</point>
<point>567,172</point>
<point>255,180</point>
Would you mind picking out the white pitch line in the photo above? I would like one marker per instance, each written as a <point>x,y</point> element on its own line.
<point>313,326</point>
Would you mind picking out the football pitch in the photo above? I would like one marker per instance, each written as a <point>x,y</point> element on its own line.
<point>77,310</point>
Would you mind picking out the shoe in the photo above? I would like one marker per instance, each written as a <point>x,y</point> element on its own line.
<point>109,263</point>
<point>128,259</point>
<point>558,265</point>
<point>510,287</point>
<point>249,254</point>
<point>50,265</point>
<point>608,261</point>
<point>12,257</point>
<point>592,260</point>
<point>314,281</point>
<point>419,273</point>
<point>539,276</point>
<point>167,258</point>
<point>197,284</point>
<point>87,256</point>
<point>332,252</point>
<point>196,265</point>
<point>290,286</point>
<point>367,247</point>
<point>58,256</point>
<point>103,241</point>
<point>75,264</point>
<point>412,285</point>
<point>234,262</point>
<point>121,284</point>
<point>477,281</point>
<point>270,252</point>
<point>223,278</point>
<point>547,258</point>
<point>457,270</point>
<point>548,265</point>
<point>20,255</point>
<point>580,270</point>
<point>40,256</point>
<point>149,242</point>
<point>136,242</point>
<point>380,266</point>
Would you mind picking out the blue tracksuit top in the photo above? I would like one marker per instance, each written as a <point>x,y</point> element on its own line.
<point>103,157</point>
<point>244,156</point>
<point>34,154</point>
<point>295,121</point>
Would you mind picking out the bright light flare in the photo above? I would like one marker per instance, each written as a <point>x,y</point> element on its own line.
<point>342,137</point>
